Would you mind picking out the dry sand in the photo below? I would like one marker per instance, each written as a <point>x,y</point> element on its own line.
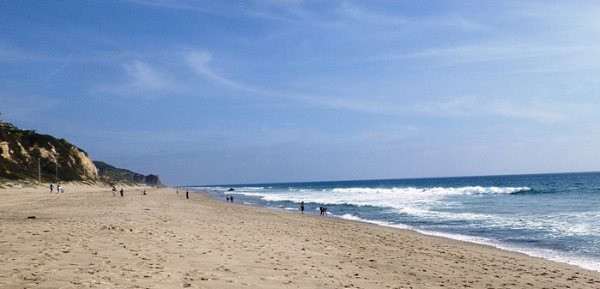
<point>85,238</point>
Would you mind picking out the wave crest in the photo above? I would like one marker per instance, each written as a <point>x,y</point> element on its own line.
<point>440,191</point>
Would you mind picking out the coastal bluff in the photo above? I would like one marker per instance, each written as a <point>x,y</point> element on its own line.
<point>28,155</point>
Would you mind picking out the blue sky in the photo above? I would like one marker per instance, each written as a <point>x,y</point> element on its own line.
<point>206,92</point>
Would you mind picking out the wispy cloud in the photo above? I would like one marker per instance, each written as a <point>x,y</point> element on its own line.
<point>353,12</point>
<point>197,6</point>
<point>141,80</point>
<point>200,62</point>
<point>285,3</point>
<point>470,106</point>
<point>537,111</point>
<point>522,37</point>
<point>544,54</point>
<point>9,53</point>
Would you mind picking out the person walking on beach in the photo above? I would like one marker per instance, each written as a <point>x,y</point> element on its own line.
<point>231,198</point>
<point>121,191</point>
<point>59,189</point>
<point>51,188</point>
<point>114,191</point>
<point>227,198</point>
<point>302,207</point>
<point>187,194</point>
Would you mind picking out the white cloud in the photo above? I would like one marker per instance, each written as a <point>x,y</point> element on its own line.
<point>350,12</point>
<point>200,62</point>
<point>537,111</point>
<point>141,80</point>
<point>539,54</point>
<point>468,106</point>
<point>285,3</point>
<point>9,53</point>
<point>197,6</point>
<point>522,37</point>
<point>145,78</point>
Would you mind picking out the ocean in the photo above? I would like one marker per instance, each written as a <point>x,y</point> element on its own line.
<point>552,216</point>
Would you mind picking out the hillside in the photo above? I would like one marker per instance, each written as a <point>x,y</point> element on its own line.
<point>28,155</point>
<point>112,173</point>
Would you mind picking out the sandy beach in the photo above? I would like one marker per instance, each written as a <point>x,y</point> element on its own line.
<point>85,238</point>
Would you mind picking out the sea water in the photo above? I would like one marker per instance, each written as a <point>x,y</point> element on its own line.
<point>552,216</point>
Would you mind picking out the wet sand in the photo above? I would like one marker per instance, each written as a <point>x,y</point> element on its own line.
<point>85,238</point>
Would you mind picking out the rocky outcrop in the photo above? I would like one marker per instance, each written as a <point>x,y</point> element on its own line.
<point>113,174</point>
<point>153,180</point>
<point>26,154</point>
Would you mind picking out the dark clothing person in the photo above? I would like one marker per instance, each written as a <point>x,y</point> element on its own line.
<point>227,198</point>
<point>302,207</point>
<point>121,191</point>
<point>231,198</point>
<point>187,194</point>
<point>323,211</point>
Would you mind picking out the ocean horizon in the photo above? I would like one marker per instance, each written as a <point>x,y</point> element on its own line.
<point>551,216</point>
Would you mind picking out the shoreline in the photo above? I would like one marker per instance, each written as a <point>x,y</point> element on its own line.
<point>586,264</point>
<point>87,238</point>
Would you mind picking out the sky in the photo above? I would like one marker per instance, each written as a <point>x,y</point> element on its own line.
<point>230,92</point>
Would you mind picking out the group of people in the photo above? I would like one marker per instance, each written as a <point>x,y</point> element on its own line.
<point>322,210</point>
<point>114,191</point>
<point>229,198</point>
<point>121,191</point>
<point>59,188</point>
<point>187,193</point>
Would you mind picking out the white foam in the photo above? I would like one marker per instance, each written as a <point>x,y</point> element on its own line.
<point>469,190</point>
<point>380,223</point>
<point>583,262</point>
<point>250,188</point>
<point>378,197</point>
<point>422,203</point>
<point>410,201</point>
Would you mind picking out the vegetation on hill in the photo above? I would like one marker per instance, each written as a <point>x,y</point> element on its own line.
<point>113,174</point>
<point>26,154</point>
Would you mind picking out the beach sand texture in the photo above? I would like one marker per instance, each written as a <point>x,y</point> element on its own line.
<point>85,238</point>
